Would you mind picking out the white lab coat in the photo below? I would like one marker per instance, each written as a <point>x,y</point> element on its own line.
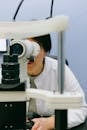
<point>48,80</point>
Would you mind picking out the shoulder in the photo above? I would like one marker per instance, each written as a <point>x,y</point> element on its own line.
<point>51,63</point>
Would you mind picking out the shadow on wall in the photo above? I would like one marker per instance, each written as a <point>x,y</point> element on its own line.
<point>55,57</point>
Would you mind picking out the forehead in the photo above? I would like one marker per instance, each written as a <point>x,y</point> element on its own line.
<point>31,39</point>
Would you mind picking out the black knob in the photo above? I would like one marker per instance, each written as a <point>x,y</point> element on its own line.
<point>29,125</point>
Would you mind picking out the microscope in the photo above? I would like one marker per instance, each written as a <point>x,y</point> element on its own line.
<point>13,91</point>
<point>13,114</point>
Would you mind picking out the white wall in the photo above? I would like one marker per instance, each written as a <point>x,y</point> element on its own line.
<point>75,40</point>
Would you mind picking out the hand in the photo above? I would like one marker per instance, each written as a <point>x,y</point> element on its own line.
<point>43,123</point>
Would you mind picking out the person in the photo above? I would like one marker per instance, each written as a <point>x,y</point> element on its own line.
<point>44,71</point>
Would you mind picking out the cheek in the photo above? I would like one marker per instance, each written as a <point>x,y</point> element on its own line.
<point>33,66</point>
<point>36,64</point>
<point>30,68</point>
<point>39,59</point>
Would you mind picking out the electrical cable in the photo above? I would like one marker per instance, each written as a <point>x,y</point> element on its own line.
<point>51,11</point>
<point>21,2</point>
<point>16,12</point>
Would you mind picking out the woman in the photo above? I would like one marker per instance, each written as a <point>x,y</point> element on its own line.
<point>44,71</point>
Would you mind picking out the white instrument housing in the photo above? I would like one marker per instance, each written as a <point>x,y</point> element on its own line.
<point>20,30</point>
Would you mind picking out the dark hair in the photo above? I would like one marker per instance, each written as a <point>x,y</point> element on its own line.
<point>44,41</point>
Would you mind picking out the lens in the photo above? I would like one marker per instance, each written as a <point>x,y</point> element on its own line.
<point>16,49</point>
<point>10,69</point>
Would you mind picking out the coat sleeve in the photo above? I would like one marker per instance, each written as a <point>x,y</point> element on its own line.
<point>75,116</point>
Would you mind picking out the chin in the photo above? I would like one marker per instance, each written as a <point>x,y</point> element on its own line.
<point>31,73</point>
